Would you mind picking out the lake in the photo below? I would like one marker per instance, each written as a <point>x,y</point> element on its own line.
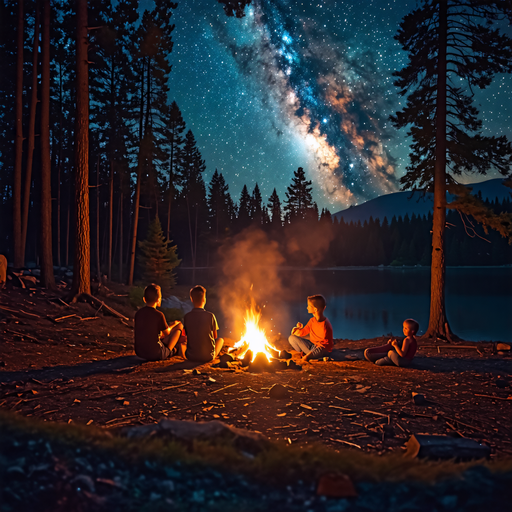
<point>370,302</point>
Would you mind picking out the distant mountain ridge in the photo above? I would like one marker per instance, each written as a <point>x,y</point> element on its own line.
<point>402,203</point>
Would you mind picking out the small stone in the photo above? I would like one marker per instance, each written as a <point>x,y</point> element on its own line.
<point>247,358</point>
<point>278,392</point>
<point>418,398</point>
<point>226,358</point>
<point>284,354</point>
<point>335,485</point>
<point>195,371</point>
<point>292,365</point>
<point>260,364</point>
<point>84,482</point>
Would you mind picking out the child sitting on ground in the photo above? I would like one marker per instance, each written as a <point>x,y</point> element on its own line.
<point>201,329</point>
<point>154,339</point>
<point>318,330</point>
<point>394,354</point>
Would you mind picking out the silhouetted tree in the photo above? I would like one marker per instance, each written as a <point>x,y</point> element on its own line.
<point>274,208</point>
<point>449,42</point>
<point>298,196</point>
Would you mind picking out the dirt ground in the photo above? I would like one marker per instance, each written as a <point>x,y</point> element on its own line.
<point>72,363</point>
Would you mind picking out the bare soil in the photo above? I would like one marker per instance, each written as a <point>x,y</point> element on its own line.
<point>82,369</point>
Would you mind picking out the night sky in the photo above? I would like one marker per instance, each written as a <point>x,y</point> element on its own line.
<point>302,84</point>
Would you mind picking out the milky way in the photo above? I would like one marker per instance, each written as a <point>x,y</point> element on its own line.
<point>304,84</point>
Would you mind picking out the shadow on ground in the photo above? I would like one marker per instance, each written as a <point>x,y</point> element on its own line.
<point>121,364</point>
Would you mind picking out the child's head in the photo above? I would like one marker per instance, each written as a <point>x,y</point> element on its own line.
<point>153,295</point>
<point>198,296</point>
<point>316,302</point>
<point>411,327</point>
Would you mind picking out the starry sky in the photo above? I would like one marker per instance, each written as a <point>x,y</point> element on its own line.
<point>302,84</point>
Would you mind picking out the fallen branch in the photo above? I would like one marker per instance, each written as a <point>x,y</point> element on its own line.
<point>98,303</point>
<point>345,442</point>
<point>19,312</point>
<point>225,387</point>
<point>495,397</point>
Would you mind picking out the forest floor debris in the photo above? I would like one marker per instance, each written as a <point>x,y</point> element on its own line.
<point>86,373</point>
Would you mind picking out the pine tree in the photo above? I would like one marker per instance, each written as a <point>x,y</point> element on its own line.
<point>274,208</point>
<point>157,258</point>
<point>218,205</point>
<point>450,43</point>
<point>174,128</point>
<point>256,206</point>
<point>244,209</point>
<point>298,196</point>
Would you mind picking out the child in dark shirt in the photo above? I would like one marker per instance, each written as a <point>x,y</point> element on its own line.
<point>154,339</point>
<point>393,353</point>
<point>201,329</point>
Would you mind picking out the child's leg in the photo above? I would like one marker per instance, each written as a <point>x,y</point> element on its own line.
<point>300,344</point>
<point>376,353</point>
<point>397,360</point>
<point>384,361</point>
<point>219,342</point>
<point>172,338</point>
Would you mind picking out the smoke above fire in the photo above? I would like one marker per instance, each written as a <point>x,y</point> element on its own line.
<point>327,95</point>
<point>253,273</point>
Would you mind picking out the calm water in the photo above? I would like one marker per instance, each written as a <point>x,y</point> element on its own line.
<point>370,302</point>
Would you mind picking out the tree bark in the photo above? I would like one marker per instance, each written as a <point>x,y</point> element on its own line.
<point>19,259</point>
<point>47,276</point>
<point>31,135</point>
<point>135,218</point>
<point>82,262</point>
<point>438,324</point>
<point>98,259</point>
<point>110,218</point>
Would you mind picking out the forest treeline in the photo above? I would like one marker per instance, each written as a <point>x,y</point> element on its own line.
<point>144,162</point>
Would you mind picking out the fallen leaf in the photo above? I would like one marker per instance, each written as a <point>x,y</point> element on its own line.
<point>126,402</point>
<point>89,422</point>
<point>281,415</point>
<point>216,416</point>
<point>307,407</point>
<point>76,401</point>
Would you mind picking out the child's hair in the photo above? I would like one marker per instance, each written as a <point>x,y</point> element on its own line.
<point>412,324</point>
<point>318,301</point>
<point>197,294</point>
<point>152,293</point>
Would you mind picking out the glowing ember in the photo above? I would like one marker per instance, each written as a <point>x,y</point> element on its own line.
<point>254,338</point>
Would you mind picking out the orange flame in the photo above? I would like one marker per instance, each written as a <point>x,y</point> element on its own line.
<point>254,337</point>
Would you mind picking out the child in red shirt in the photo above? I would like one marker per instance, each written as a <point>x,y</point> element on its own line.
<point>318,330</point>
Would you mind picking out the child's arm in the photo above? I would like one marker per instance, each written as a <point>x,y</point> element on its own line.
<point>405,346</point>
<point>297,328</point>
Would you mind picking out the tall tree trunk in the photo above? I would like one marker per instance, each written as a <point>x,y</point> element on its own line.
<point>121,238</point>
<point>31,135</point>
<point>140,163</point>
<point>438,323</point>
<point>19,259</point>
<point>110,218</point>
<point>135,221</point>
<point>82,265</point>
<point>47,277</point>
<point>58,211</point>
<point>98,259</point>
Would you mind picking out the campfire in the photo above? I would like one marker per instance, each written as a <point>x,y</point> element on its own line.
<point>254,338</point>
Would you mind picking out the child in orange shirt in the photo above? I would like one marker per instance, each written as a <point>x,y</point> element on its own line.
<point>318,330</point>
<point>394,354</point>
